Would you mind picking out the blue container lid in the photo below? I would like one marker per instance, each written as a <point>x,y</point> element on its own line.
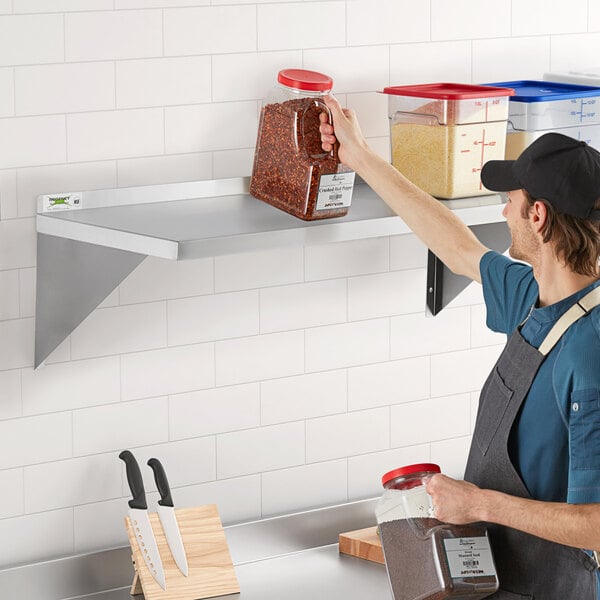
<point>544,91</point>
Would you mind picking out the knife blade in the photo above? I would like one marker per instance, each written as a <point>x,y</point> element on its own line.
<point>168,518</point>
<point>138,513</point>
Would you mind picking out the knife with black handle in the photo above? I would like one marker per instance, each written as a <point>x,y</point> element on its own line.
<point>167,515</point>
<point>138,513</point>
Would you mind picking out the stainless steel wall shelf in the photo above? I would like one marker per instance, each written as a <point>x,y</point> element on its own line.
<point>88,242</point>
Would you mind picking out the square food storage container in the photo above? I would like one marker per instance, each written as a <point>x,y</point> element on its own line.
<point>517,140</point>
<point>585,76</point>
<point>443,133</point>
<point>538,107</point>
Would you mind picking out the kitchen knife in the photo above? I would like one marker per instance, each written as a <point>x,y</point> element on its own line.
<point>166,512</point>
<point>138,513</point>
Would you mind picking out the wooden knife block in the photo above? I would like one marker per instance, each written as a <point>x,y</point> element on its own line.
<point>210,568</point>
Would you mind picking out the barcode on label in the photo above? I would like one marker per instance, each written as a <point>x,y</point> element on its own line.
<point>469,564</point>
<point>335,196</point>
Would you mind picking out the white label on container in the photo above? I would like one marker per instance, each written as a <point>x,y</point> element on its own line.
<point>469,557</point>
<point>52,202</point>
<point>335,191</point>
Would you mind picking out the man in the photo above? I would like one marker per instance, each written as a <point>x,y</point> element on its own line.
<point>533,472</point>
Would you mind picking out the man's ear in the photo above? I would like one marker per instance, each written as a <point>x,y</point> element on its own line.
<point>538,215</point>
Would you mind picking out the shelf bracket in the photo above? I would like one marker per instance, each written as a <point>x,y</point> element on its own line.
<point>72,279</point>
<point>443,285</point>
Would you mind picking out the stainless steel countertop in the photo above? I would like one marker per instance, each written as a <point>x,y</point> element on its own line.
<point>293,557</point>
<point>318,574</point>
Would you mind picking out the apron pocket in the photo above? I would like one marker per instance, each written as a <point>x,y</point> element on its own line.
<point>491,411</point>
<point>584,429</point>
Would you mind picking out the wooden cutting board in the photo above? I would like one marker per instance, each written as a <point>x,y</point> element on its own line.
<point>363,543</point>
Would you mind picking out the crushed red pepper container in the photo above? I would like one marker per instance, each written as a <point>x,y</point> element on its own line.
<point>291,170</point>
<point>427,559</point>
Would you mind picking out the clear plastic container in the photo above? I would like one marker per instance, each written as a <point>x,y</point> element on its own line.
<point>443,133</point>
<point>291,171</point>
<point>425,558</point>
<point>517,140</point>
<point>549,105</point>
<point>585,76</point>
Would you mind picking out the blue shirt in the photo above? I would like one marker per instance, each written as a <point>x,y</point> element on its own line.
<point>555,442</point>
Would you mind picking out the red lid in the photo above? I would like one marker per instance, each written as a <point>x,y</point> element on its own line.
<point>448,91</point>
<point>310,81</point>
<point>408,469</point>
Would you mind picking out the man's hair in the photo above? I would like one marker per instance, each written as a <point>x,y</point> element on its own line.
<point>576,241</point>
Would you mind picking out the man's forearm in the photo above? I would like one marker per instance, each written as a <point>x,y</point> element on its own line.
<point>436,225</point>
<point>460,502</point>
<point>576,525</point>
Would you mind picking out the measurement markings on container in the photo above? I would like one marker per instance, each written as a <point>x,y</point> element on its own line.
<point>582,113</point>
<point>484,145</point>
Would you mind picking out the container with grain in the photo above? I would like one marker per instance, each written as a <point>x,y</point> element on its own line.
<point>425,558</point>
<point>291,170</point>
<point>539,107</point>
<point>443,133</point>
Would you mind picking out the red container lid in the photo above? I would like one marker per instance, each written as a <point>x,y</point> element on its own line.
<point>448,91</point>
<point>408,470</point>
<point>310,81</point>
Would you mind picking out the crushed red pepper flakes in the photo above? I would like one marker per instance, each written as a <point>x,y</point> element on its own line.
<point>289,159</point>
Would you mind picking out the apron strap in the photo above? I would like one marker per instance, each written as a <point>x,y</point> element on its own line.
<point>582,307</point>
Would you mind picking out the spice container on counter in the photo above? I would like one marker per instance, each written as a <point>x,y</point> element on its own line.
<point>427,559</point>
<point>291,170</point>
<point>443,133</point>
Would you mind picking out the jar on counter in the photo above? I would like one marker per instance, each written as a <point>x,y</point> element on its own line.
<point>427,559</point>
<point>291,170</point>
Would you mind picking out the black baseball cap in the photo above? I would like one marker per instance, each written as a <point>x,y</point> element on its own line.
<point>556,168</point>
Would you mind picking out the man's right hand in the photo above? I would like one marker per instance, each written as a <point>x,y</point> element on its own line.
<point>344,130</point>
<point>438,227</point>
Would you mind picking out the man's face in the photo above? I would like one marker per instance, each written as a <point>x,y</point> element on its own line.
<point>525,244</point>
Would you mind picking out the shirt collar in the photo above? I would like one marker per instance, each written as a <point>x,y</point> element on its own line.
<point>553,312</point>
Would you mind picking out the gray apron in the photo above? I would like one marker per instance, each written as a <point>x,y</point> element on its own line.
<point>527,566</point>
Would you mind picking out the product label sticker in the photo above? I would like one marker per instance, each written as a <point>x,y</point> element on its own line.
<point>52,202</point>
<point>335,191</point>
<point>469,557</point>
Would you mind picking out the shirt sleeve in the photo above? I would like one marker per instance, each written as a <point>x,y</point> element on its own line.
<point>584,447</point>
<point>584,414</point>
<point>509,291</point>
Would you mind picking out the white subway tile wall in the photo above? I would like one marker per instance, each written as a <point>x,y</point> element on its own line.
<point>7,92</point>
<point>267,382</point>
<point>31,141</point>
<point>115,134</point>
<point>528,54</point>
<point>437,61</point>
<point>10,392</point>
<point>65,88</point>
<point>539,17</point>
<point>9,301</point>
<point>164,169</point>
<point>8,193</point>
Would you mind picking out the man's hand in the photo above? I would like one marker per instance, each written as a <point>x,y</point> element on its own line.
<point>455,501</point>
<point>345,130</point>
<point>438,227</point>
<point>460,502</point>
